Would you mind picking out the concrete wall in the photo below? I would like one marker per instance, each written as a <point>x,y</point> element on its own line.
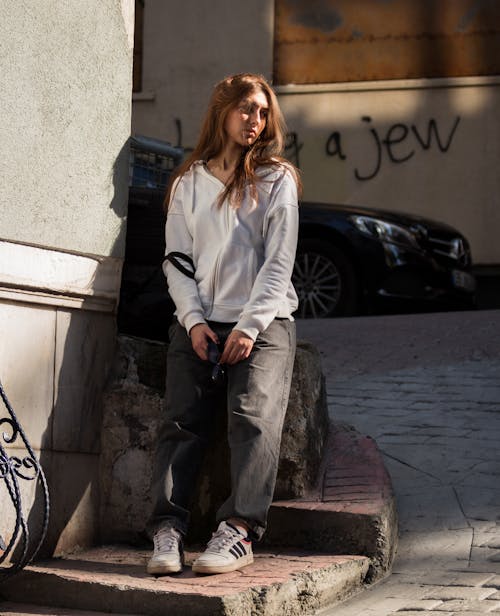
<point>422,146</point>
<point>65,122</point>
<point>65,107</point>
<point>188,47</point>
<point>369,143</point>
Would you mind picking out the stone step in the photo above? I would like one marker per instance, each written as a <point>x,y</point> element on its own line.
<point>113,579</point>
<point>24,609</point>
<point>352,510</point>
<point>319,550</point>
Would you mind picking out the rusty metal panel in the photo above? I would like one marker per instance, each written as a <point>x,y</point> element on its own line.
<point>324,41</point>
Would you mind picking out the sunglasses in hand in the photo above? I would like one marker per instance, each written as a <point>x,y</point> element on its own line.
<point>218,370</point>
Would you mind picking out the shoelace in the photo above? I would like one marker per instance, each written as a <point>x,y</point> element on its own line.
<point>165,541</point>
<point>222,538</point>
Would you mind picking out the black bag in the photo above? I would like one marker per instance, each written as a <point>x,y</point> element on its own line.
<point>175,259</point>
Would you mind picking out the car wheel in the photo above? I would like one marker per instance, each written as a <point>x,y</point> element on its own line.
<point>325,281</point>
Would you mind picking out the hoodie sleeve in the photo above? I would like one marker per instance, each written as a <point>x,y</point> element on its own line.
<point>182,289</point>
<point>272,283</point>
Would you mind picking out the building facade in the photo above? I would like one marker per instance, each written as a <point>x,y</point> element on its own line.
<point>389,104</point>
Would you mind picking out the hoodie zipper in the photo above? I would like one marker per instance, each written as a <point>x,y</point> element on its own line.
<point>226,215</point>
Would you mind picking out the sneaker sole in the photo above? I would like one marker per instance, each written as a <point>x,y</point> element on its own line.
<point>234,566</point>
<point>159,569</point>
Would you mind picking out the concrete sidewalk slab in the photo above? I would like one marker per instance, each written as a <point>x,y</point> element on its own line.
<point>427,389</point>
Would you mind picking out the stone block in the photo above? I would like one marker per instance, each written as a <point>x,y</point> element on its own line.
<point>132,414</point>
<point>306,426</point>
<point>73,480</point>
<point>85,343</point>
<point>73,486</point>
<point>53,370</point>
<point>26,368</point>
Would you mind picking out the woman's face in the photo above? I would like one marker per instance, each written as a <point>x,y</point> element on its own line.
<point>247,120</point>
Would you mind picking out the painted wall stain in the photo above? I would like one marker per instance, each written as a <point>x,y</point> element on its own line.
<point>319,15</point>
<point>328,41</point>
<point>469,16</point>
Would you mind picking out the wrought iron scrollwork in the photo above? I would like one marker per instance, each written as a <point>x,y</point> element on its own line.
<point>18,549</point>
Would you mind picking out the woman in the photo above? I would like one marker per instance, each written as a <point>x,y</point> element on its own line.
<point>232,209</point>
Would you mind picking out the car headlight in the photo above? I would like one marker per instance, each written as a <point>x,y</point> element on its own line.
<point>385,231</point>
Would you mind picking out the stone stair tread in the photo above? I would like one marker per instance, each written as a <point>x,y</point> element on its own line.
<point>353,477</point>
<point>352,510</point>
<point>8,608</point>
<point>110,565</point>
<point>113,578</point>
<point>348,525</point>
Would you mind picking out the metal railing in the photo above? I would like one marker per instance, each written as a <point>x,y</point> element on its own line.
<point>21,546</point>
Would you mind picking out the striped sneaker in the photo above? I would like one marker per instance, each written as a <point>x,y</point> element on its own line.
<point>227,550</point>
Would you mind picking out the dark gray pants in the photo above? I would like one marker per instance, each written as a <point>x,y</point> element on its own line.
<point>257,398</point>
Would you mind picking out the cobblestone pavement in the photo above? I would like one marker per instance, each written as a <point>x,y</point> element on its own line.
<point>427,388</point>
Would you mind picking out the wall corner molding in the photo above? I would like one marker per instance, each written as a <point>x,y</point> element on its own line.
<point>43,275</point>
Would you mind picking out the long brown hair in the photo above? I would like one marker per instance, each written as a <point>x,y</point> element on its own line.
<point>267,149</point>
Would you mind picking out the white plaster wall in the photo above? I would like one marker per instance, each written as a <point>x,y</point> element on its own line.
<point>188,47</point>
<point>65,79</point>
<point>53,368</point>
<point>457,183</point>
<point>66,103</point>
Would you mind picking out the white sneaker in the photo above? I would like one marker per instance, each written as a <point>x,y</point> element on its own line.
<point>168,555</point>
<point>227,550</point>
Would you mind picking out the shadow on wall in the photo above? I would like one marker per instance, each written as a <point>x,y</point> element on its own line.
<point>85,341</point>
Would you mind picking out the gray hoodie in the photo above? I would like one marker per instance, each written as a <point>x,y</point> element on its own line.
<point>243,256</point>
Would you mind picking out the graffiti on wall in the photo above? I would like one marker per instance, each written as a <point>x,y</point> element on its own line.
<point>397,144</point>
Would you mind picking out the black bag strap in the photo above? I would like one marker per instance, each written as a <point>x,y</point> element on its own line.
<point>175,259</point>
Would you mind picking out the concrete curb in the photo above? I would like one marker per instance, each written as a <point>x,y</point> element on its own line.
<point>353,510</point>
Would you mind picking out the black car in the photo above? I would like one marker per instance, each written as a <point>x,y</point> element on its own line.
<point>350,260</point>
<point>353,260</point>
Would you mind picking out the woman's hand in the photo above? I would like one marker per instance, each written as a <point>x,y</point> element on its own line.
<point>237,347</point>
<point>200,334</point>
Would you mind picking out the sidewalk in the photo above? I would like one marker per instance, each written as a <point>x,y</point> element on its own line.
<point>427,389</point>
